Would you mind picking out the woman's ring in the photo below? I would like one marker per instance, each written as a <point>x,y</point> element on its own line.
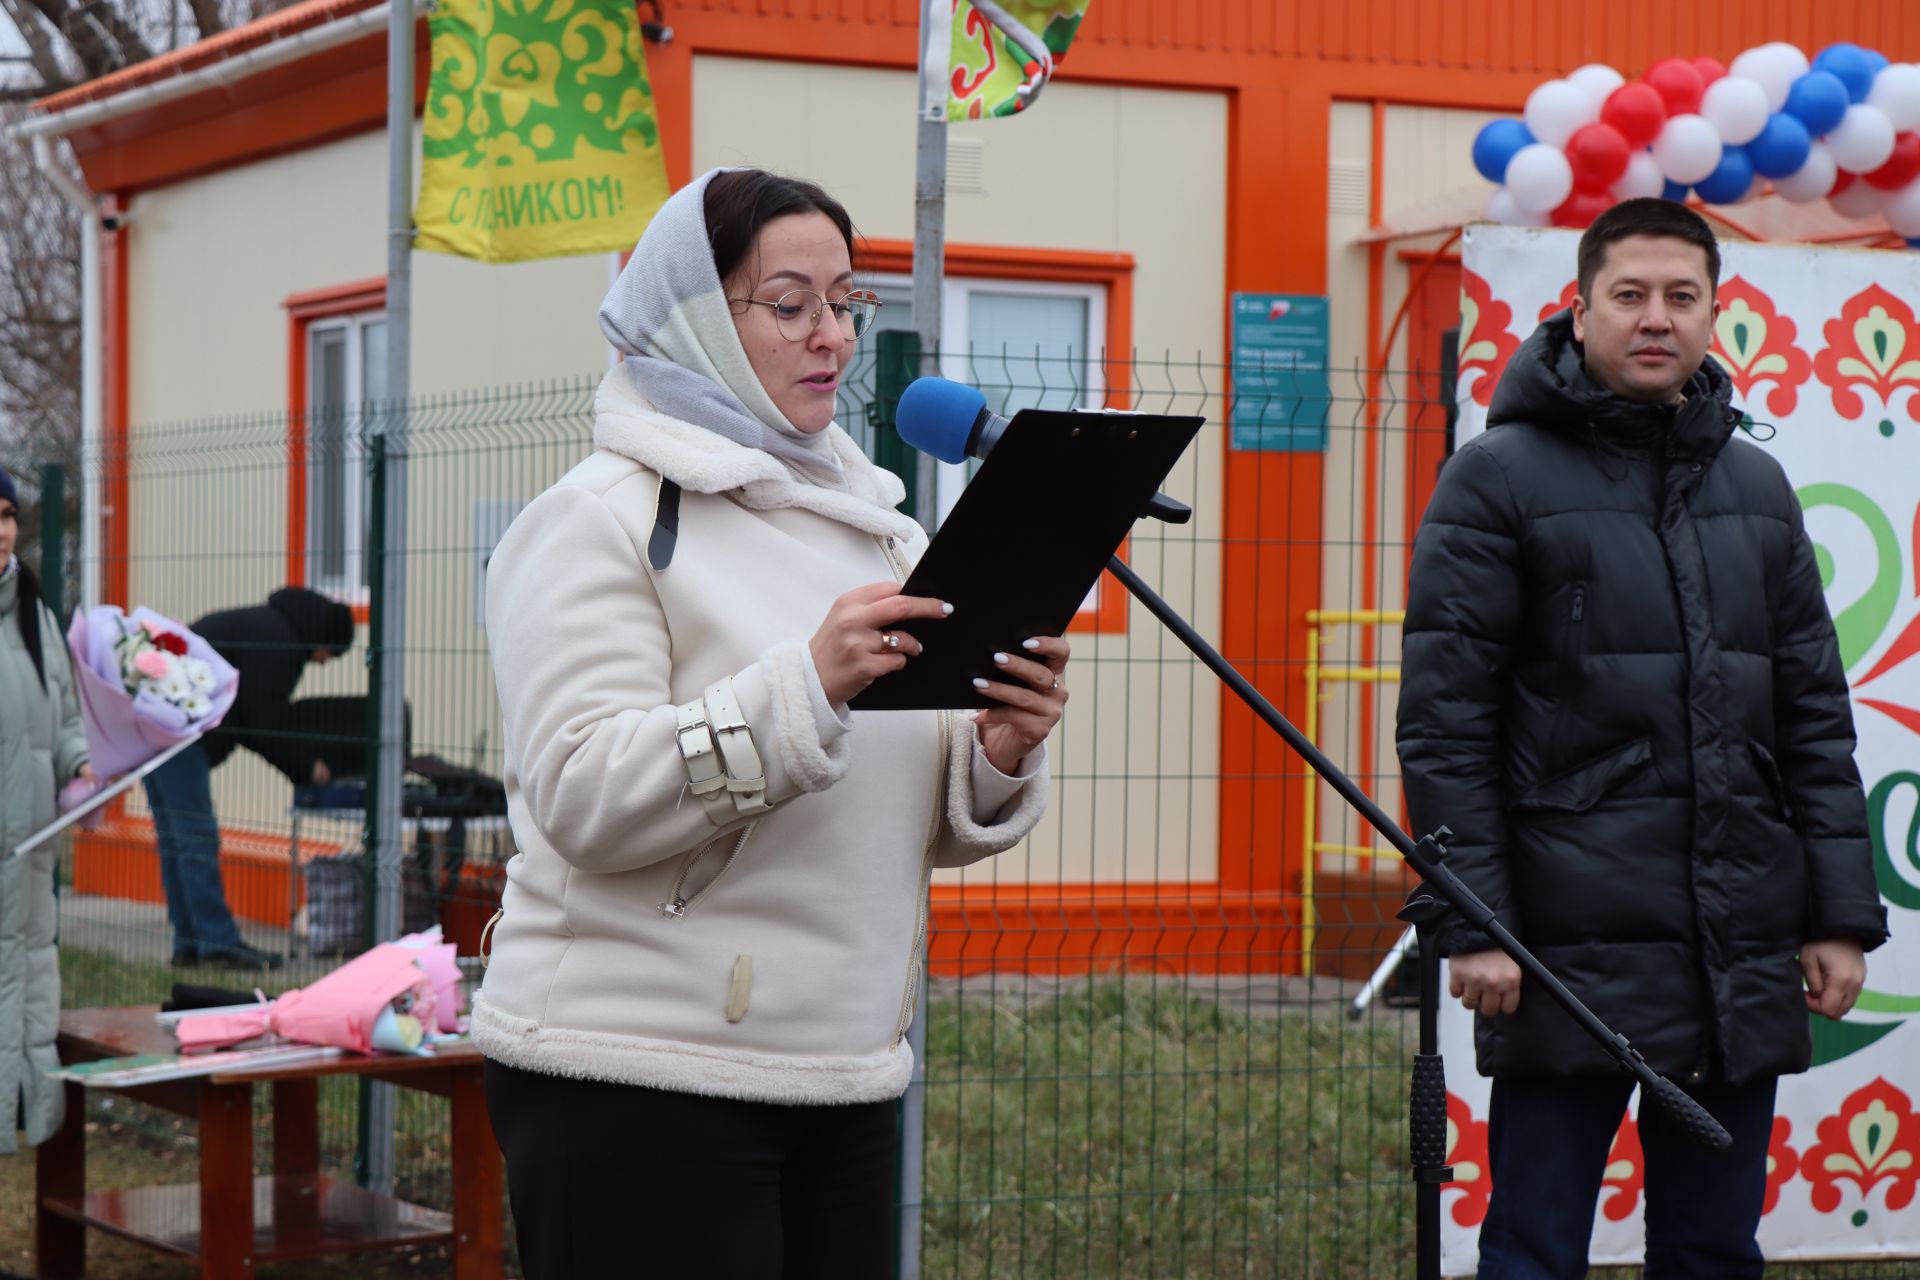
<point>1056,682</point>
<point>890,640</point>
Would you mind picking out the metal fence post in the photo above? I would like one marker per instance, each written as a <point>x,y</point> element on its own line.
<point>53,538</point>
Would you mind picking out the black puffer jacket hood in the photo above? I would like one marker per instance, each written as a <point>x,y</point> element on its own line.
<point>318,621</point>
<point>1621,689</point>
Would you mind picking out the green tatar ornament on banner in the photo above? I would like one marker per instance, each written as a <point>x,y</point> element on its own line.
<point>1003,54</point>
<point>540,133</point>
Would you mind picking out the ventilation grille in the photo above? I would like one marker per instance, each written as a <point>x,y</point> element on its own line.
<point>967,166</point>
<point>1347,187</point>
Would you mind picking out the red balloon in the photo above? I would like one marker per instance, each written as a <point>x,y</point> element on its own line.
<point>1710,69</point>
<point>1900,169</point>
<point>1637,111</point>
<point>1598,155</point>
<point>1678,83</point>
<point>1582,207</point>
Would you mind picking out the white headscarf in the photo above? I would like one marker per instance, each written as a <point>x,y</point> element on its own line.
<point>668,314</point>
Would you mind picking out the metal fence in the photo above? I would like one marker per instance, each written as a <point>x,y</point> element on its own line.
<point>1144,1055</point>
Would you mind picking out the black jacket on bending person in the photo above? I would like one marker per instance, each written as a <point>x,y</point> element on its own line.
<point>269,646</point>
<point>1622,691</point>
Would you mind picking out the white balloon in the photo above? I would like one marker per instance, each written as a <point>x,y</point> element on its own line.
<point>1688,149</point>
<point>1896,91</point>
<point>1790,57</point>
<point>1772,67</point>
<point>1903,210</point>
<point>1863,141</point>
<point>1557,108</point>
<point>1642,178</point>
<point>1539,178</point>
<point>1861,200</point>
<point>1502,209</point>
<point>1737,107</point>
<point>1812,180</point>
<point>1596,80</point>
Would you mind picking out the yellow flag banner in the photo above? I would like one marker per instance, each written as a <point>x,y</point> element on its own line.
<point>1003,53</point>
<point>540,133</point>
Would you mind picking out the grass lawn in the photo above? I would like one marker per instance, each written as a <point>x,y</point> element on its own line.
<point>1125,1128</point>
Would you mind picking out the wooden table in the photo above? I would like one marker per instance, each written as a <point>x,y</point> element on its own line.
<point>231,1221</point>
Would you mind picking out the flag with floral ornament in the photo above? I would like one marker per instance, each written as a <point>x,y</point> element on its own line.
<point>540,137</point>
<point>1001,55</point>
<point>1824,354</point>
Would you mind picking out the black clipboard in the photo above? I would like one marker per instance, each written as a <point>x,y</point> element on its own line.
<point>1025,544</point>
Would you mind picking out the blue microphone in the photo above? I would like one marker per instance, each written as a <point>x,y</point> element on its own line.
<point>949,420</point>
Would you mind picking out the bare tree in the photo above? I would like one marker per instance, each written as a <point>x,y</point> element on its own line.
<point>62,43</point>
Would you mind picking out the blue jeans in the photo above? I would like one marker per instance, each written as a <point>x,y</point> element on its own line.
<point>180,793</point>
<point>1547,1145</point>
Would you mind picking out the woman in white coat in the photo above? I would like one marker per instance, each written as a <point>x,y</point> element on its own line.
<point>701,978</point>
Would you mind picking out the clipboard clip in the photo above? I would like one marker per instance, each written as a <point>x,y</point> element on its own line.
<point>1171,510</point>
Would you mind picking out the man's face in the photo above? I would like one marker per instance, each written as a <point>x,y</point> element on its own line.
<point>1649,320</point>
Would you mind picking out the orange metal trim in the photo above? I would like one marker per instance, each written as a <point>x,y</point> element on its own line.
<point>1065,929</point>
<point>302,310</point>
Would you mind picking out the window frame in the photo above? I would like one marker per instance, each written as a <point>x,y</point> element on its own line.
<point>348,306</point>
<point>1000,268</point>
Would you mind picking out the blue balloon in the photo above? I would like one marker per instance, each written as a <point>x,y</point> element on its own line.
<point>1913,242</point>
<point>1495,144</point>
<point>1877,60</point>
<point>1819,101</point>
<point>1730,181</point>
<point>1675,191</point>
<point>1851,63</point>
<point>1781,148</point>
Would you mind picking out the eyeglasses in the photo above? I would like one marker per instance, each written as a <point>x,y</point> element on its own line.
<point>797,312</point>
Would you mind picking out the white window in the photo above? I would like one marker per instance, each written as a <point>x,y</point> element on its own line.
<point>346,382</point>
<point>1025,344</point>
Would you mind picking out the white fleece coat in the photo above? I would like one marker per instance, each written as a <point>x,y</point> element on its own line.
<point>789,976</point>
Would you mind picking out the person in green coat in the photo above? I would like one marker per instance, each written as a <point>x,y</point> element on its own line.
<point>42,747</point>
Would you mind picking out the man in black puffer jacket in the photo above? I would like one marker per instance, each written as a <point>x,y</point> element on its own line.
<point>1622,691</point>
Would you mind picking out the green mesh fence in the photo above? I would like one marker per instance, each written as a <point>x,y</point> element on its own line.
<point>1144,1056</point>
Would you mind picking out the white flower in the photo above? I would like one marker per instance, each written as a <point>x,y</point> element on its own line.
<point>198,672</point>
<point>196,707</point>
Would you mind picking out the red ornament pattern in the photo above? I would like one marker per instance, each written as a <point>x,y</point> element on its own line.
<point>1875,343</point>
<point>1485,344</point>
<point>1467,1153</point>
<point>1567,295</point>
<point>1626,1173</point>
<point>1755,343</point>
<point>1782,1163</point>
<point>1874,1139</point>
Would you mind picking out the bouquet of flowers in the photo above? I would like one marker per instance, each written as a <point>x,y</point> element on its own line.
<point>145,683</point>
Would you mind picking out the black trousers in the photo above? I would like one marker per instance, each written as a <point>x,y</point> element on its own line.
<point>612,1181</point>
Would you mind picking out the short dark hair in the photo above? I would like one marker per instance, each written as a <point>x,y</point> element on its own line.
<point>741,201</point>
<point>1645,216</point>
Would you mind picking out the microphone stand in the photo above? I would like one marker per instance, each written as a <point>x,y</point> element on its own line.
<point>1441,890</point>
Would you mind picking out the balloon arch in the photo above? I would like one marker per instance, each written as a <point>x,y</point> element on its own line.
<point>1843,127</point>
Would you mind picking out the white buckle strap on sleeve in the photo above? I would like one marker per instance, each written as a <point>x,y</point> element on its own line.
<point>746,781</point>
<point>705,778</point>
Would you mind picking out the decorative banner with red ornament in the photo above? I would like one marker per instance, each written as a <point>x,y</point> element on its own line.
<point>1001,54</point>
<point>1843,127</point>
<point>1823,345</point>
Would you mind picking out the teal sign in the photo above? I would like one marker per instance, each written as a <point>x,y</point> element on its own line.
<point>1280,389</point>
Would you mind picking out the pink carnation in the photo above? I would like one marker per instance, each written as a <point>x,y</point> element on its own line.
<point>153,664</point>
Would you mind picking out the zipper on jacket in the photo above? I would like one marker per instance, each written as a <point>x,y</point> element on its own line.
<point>915,957</point>
<point>1580,603</point>
<point>678,904</point>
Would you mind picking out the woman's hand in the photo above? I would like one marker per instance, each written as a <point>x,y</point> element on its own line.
<point>1032,701</point>
<point>86,774</point>
<point>857,644</point>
